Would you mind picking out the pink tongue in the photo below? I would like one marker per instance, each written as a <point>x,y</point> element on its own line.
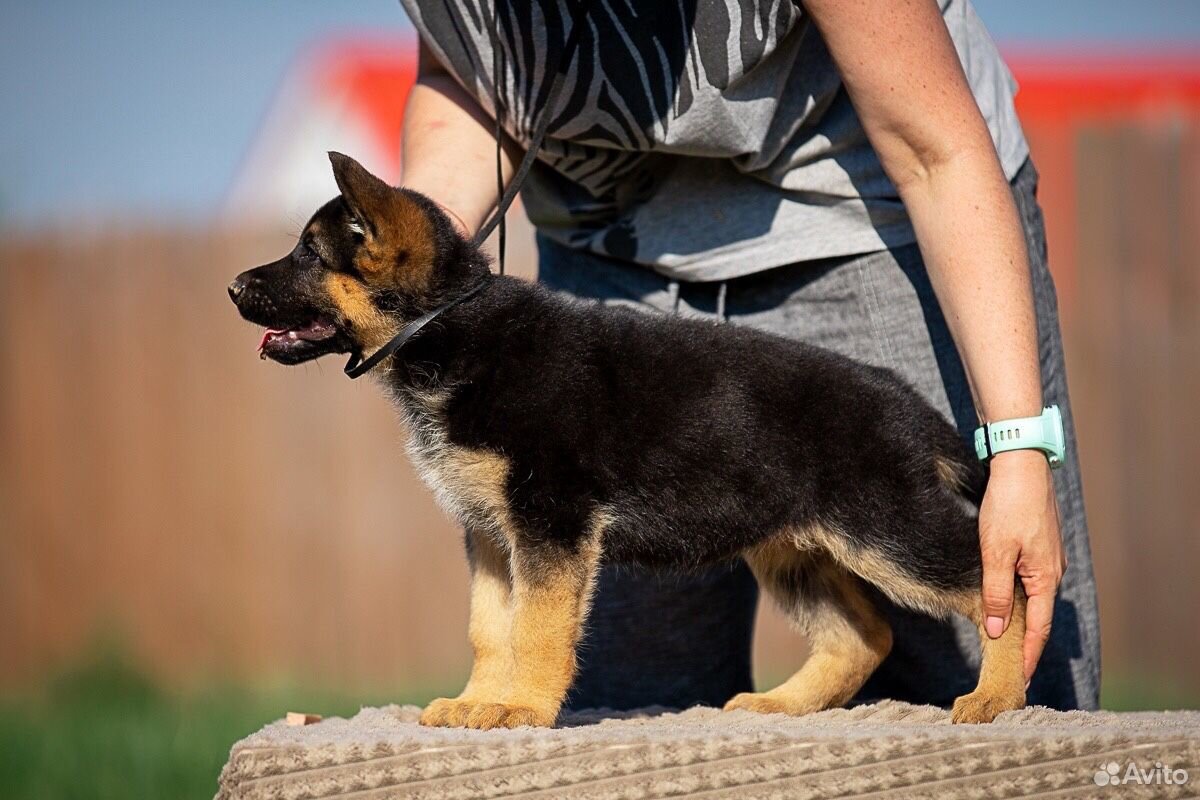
<point>313,332</point>
<point>267,335</point>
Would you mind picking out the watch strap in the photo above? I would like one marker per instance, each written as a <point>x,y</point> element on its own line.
<point>1043,433</point>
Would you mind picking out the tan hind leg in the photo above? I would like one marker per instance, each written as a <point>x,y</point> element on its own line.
<point>1001,680</point>
<point>491,623</point>
<point>848,636</point>
<point>1002,674</point>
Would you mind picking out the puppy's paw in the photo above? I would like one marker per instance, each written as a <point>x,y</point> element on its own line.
<point>980,706</point>
<point>448,712</point>
<point>759,703</point>
<point>486,716</point>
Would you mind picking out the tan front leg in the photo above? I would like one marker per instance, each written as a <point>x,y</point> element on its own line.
<point>527,614</point>
<point>552,592</point>
<point>490,631</point>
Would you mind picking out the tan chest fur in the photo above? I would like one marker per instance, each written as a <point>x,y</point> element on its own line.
<point>468,484</point>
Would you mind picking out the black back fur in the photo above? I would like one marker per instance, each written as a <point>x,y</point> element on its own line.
<point>704,439</point>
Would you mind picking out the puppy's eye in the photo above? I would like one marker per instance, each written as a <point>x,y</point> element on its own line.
<point>307,253</point>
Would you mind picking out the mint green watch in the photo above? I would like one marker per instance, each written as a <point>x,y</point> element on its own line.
<point>1043,433</point>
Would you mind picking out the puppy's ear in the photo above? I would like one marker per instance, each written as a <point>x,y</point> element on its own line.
<point>369,198</point>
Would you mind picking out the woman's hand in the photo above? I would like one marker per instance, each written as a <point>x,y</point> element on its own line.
<point>1019,533</point>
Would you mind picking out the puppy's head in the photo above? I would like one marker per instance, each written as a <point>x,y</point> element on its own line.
<point>367,262</point>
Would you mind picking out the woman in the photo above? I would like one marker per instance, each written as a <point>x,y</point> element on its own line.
<point>844,172</point>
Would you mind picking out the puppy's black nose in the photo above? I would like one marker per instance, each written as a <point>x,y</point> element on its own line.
<point>236,288</point>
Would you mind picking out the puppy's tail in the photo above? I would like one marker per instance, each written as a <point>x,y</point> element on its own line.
<point>960,470</point>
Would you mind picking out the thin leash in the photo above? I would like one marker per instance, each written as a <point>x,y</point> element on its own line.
<point>356,366</point>
<point>499,66</point>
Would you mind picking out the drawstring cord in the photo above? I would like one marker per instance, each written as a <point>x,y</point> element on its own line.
<point>673,293</point>
<point>721,302</point>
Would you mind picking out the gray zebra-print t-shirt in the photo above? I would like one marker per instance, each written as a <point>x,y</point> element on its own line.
<point>706,139</point>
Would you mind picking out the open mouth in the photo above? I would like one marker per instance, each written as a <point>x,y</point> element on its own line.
<point>301,343</point>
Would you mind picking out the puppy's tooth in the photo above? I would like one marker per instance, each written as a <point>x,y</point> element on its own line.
<point>291,334</point>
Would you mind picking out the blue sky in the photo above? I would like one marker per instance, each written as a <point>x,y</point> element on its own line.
<point>134,106</point>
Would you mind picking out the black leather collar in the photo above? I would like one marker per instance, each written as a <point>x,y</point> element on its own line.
<point>357,366</point>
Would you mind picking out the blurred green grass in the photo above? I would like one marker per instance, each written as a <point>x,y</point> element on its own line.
<point>1130,691</point>
<point>105,731</point>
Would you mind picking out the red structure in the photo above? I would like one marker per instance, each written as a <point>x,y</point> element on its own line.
<point>1061,97</point>
<point>375,79</point>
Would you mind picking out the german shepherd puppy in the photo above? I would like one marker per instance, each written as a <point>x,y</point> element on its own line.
<point>562,434</point>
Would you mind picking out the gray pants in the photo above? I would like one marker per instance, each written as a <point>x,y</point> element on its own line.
<point>681,640</point>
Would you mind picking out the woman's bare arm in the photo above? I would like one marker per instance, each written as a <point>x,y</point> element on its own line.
<point>448,146</point>
<point>904,78</point>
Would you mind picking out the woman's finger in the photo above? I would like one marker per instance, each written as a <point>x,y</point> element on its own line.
<point>999,568</point>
